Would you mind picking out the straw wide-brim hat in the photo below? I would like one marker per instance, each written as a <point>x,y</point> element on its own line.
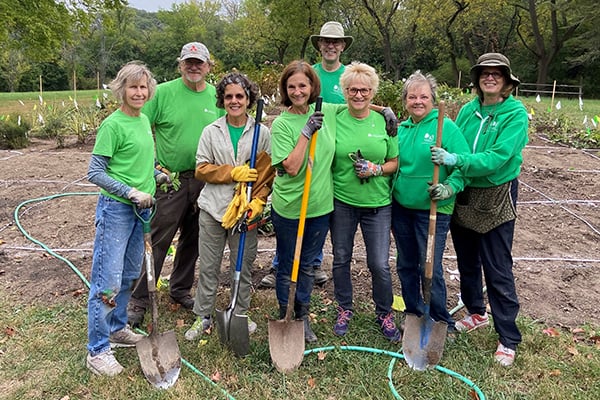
<point>493,60</point>
<point>331,30</point>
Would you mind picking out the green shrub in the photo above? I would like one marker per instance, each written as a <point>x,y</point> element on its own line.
<point>560,128</point>
<point>13,133</point>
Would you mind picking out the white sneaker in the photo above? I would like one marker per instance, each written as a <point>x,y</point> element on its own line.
<point>200,326</point>
<point>104,364</point>
<point>471,322</point>
<point>124,338</point>
<point>504,356</point>
<point>251,326</point>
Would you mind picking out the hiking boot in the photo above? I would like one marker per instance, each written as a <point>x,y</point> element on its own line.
<point>343,318</point>
<point>504,356</point>
<point>186,301</point>
<point>104,364</point>
<point>124,338</point>
<point>388,327</point>
<point>251,326</point>
<point>268,281</point>
<point>472,322</point>
<point>301,311</point>
<point>135,312</point>
<point>320,276</point>
<point>200,326</point>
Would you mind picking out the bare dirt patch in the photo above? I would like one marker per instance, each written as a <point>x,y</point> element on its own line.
<point>556,246</point>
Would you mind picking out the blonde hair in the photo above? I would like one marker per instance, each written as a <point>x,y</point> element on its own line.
<point>133,71</point>
<point>361,72</point>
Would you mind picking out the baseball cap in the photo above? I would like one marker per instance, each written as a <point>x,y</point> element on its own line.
<point>194,50</point>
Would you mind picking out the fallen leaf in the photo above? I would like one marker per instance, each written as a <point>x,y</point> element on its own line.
<point>174,306</point>
<point>311,382</point>
<point>327,301</point>
<point>577,330</point>
<point>595,339</point>
<point>78,292</point>
<point>473,395</point>
<point>555,372</point>
<point>9,331</point>
<point>180,323</point>
<point>321,355</point>
<point>202,342</point>
<point>216,377</point>
<point>573,351</point>
<point>65,397</point>
<point>551,332</point>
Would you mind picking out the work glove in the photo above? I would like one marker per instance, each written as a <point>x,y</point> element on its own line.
<point>439,191</point>
<point>391,121</point>
<point>141,199</point>
<point>162,179</point>
<point>442,157</point>
<point>255,208</point>
<point>314,123</point>
<point>236,207</point>
<point>244,173</point>
<point>365,169</point>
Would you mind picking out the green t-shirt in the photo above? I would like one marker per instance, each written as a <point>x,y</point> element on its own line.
<point>178,115</point>
<point>235,133</point>
<point>368,135</point>
<point>127,141</point>
<point>331,90</point>
<point>287,190</point>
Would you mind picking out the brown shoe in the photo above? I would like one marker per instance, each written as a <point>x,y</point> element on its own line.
<point>186,301</point>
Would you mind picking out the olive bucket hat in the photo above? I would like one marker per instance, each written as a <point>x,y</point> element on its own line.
<point>493,60</point>
<point>331,30</point>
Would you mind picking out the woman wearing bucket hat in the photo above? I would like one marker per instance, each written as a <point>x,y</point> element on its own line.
<point>495,125</point>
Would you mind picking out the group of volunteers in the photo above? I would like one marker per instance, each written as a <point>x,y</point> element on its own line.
<point>178,153</point>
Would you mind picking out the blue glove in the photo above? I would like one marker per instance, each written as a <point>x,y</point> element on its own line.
<point>442,157</point>
<point>314,123</point>
<point>391,121</point>
<point>440,191</point>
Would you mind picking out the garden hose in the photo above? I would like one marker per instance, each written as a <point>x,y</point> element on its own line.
<point>394,355</point>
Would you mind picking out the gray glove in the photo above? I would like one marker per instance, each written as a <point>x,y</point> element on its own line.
<point>162,178</point>
<point>442,157</point>
<point>314,123</point>
<point>440,191</point>
<point>391,121</point>
<point>141,199</point>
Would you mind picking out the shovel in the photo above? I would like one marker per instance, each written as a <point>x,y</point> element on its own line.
<point>423,341</point>
<point>159,353</point>
<point>233,328</point>
<point>286,337</point>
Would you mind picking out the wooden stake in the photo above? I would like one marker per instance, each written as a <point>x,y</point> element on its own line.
<point>553,90</point>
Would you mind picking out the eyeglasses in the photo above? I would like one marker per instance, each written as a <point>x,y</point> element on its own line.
<point>335,42</point>
<point>238,96</point>
<point>494,74</point>
<point>193,63</point>
<point>354,91</point>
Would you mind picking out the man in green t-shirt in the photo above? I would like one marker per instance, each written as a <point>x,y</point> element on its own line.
<point>178,113</point>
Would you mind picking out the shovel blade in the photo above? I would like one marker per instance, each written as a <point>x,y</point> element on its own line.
<point>286,344</point>
<point>222,320</point>
<point>423,341</point>
<point>239,336</point>
<point>160,359</point>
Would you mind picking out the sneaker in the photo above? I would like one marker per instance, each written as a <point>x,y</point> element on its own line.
<point>341,325</point>
<point>388,327</point>
<point>504,356</point>
<point>251,326</point>
<point>136,309</point>
<point>320,276</point>
<point>472,322</point>
<point>268,281</point>
<point>124,338</point>
<point>186,301</point>
<point>200,326</point>
<point>104,364</point>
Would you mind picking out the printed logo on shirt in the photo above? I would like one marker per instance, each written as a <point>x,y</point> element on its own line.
<point>428,138</point>
<point>213,112</point>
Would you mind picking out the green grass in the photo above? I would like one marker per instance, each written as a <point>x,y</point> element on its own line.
<point>44,359</point>
<point>24,103</point>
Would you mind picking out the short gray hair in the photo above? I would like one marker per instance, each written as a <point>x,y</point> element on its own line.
<point>133,71</point>
<point>418,78</point>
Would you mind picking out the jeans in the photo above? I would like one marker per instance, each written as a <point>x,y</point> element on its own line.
<point>316,263</point>
<point>375,228</point>
<point>116,264</point>
<point>411,229</point>
<point>286,230</point>
<point>211,245</point>
<point>175,210</point>
<point>493,252</point>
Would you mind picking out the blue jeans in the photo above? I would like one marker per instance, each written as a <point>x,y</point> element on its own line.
<point>410,228</point>
<point>492,252</point>
<point>116,264</point>
<point>375,227</point>
<point>315,232</point>
<point>316,263</point>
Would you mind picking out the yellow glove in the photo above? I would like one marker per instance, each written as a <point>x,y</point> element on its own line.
<point>255,208</point>
<point>236,207</point>
<point>244,173</point>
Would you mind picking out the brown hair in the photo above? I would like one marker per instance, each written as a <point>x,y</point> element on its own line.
<point>293,68</point>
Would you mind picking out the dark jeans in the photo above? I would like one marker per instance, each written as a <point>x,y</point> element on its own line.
<point>411,229</point>
<point>375,228</point>
<point>493,252</point>
<point>175,210</point>
<point>315,232</point>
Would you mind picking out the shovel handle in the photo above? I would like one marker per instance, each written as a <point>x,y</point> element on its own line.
<point>433,213</point>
